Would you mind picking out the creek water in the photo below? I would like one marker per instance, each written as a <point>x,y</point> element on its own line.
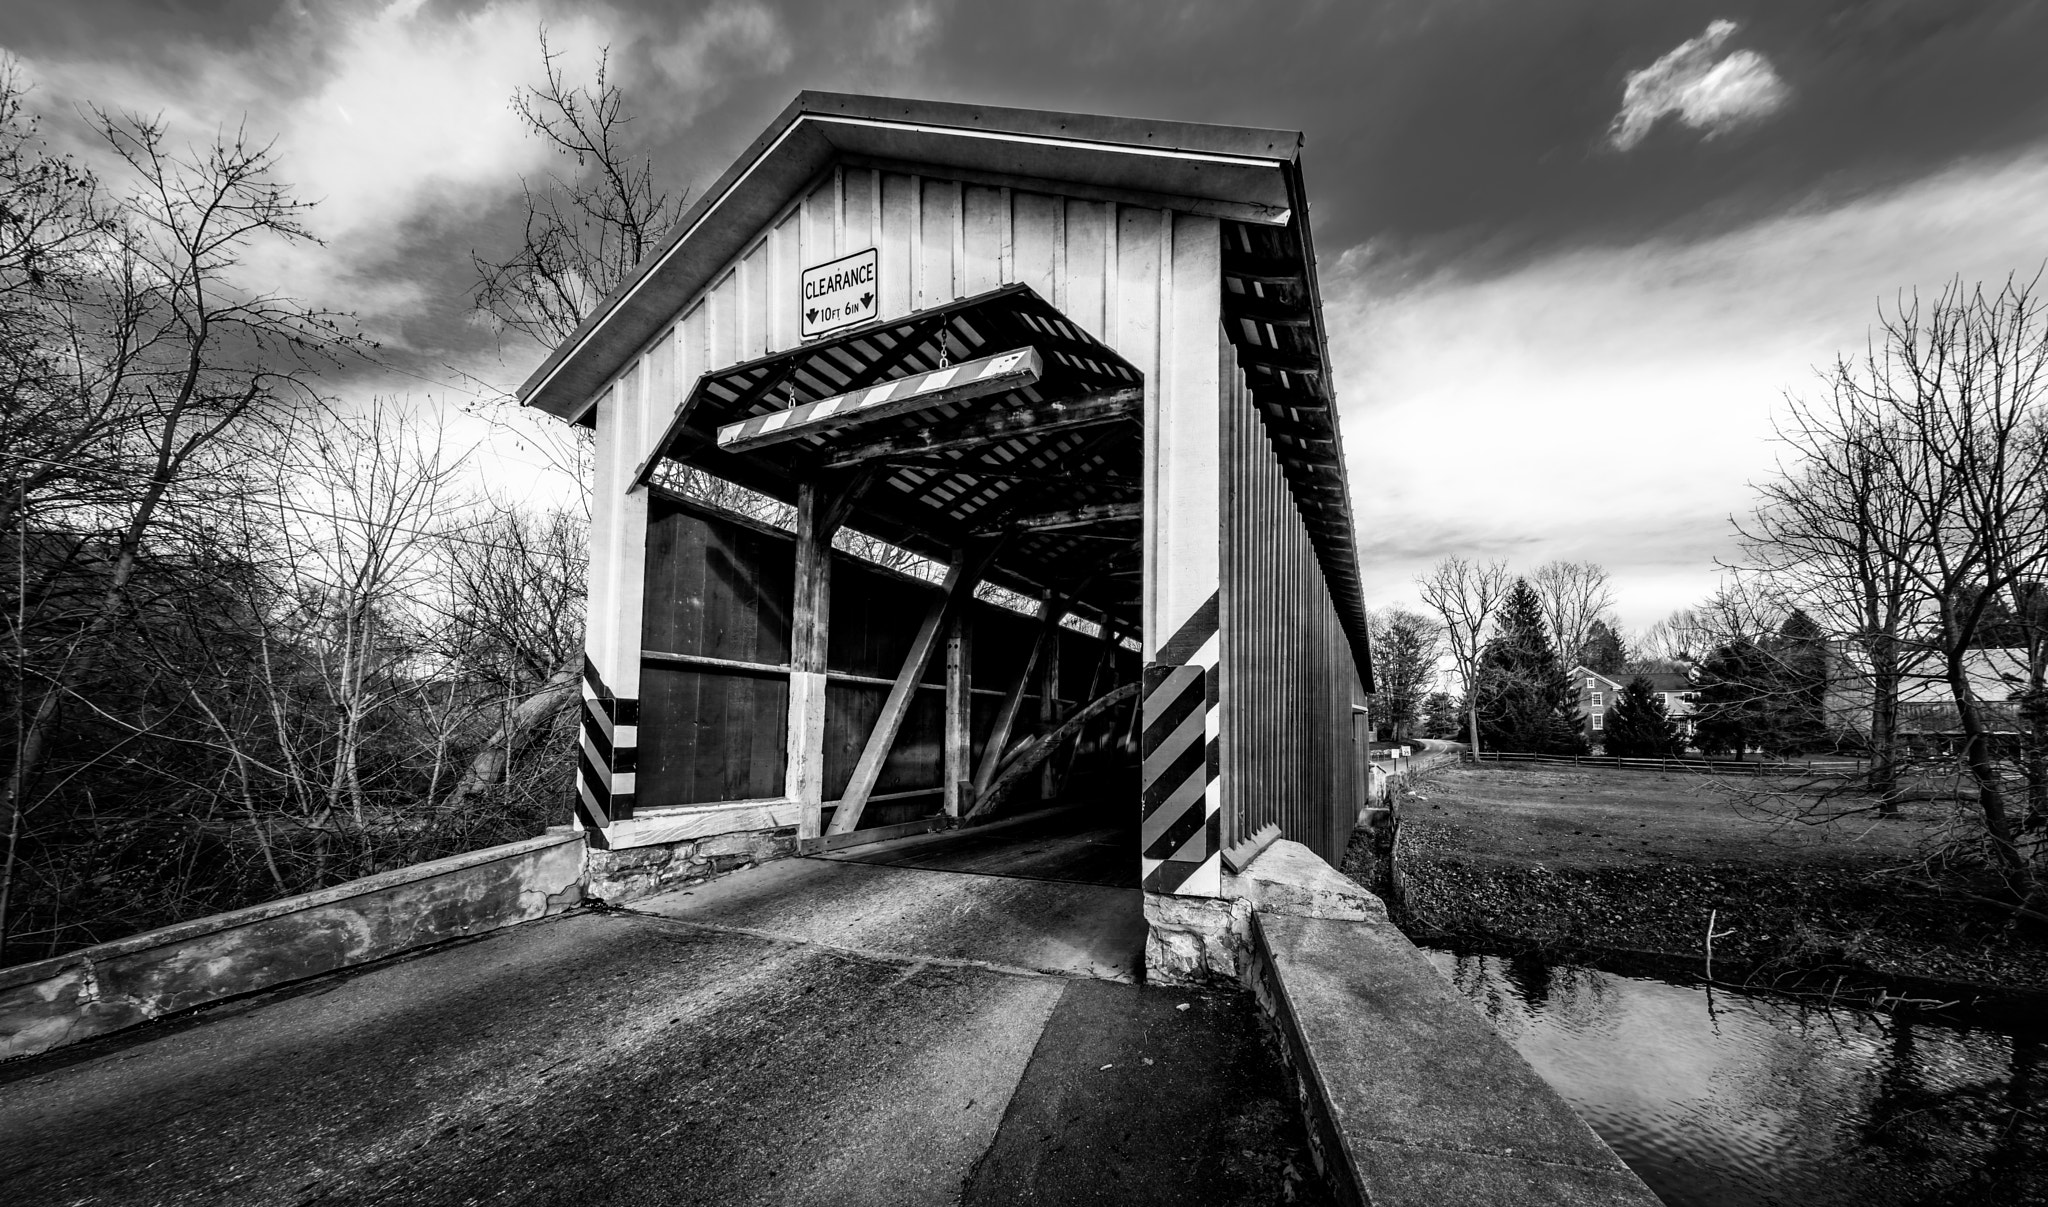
<point>1717,1098</point>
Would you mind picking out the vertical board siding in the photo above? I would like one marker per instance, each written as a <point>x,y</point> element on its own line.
<point>939,216</point>
<point>936,240</point>
<point>1288,751</point>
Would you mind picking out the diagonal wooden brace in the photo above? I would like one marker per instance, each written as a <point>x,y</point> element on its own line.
<point>959,587</point>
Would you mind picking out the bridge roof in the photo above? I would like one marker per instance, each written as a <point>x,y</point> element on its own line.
<point>1225,170</point>
<point>1248,178</point>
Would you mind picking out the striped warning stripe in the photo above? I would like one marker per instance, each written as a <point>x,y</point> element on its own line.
<point>969,379</point>
<point>605,763</point>
<point>1181,828</point>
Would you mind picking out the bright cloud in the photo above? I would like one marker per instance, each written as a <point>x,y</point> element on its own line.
<point>413,112</point>
<point>1614,403</point>
<point>1705,92</point>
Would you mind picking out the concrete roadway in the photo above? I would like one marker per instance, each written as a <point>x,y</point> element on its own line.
<point>811,1031</point>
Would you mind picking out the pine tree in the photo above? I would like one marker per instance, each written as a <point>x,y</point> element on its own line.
<point>1603,652</point>
<point>1734,690</point>
<point>1637,727</point>
<point>1442,716</point>
<point>1798,703</point>
<point>1526,701</point>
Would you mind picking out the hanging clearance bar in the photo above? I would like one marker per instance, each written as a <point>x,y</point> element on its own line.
<point>1006,371</point>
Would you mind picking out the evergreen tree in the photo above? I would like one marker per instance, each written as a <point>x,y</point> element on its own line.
<point>1637,727</point>
<point>1526,701</point>
<point>1603,652</point>
<point>1735,687</point>
<point>1442,716</point>
<point>1798,704</point>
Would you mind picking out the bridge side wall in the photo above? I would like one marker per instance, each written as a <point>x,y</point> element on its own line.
<point>714,673</point>
<point>112,986</point>
<point>1289,746</point>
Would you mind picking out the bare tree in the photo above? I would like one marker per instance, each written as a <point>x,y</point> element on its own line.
<point>1830,532</point>
<point>1573,595</point>
<point>1948,403</point>
<point>1466,595</point>
<point>356,514</point>
<point>587,229</point>
<point>1406,647</point>
<point>167,360</point>
<point>1675,639</point>
<point>517,587</point>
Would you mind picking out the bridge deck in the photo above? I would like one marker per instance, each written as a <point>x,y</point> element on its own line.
<point>811,1031</point>
<point>1080,844</point>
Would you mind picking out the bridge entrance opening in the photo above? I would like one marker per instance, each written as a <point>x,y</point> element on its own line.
<point>947,633</point>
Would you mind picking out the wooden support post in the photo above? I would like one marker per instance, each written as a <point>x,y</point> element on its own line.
<point>1049,614</point>
<point>1100,675</point>
<point>1049,709</point>
<point>959,586</point>
<point>820,510</point>
<point>959,755</point>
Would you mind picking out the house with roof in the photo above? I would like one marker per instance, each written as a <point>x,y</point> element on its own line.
<point>1597,693</point>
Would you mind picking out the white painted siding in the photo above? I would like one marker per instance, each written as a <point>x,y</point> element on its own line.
<point>938,240</point>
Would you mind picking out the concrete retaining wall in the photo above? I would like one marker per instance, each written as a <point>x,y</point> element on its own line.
<point>114,985</point>
<point>1410,1096</point>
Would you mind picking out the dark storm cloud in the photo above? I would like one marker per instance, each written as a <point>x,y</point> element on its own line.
<point>1618,323</point>
<point>1458,128</point>
<point>1454,131</point>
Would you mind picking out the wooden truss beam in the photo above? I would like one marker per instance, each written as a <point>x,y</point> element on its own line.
<point>678,433</point>
<point>1029,757</point>
<point>1013,472</point>
<point>998,374</point>
<point>1042,419</point>
<point>1049,613</point>
<point>960,579</point>
<point>1075,517</point>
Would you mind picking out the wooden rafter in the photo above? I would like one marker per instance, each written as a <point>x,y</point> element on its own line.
<point>1267,309</point>
<point>1041,419</point>
<point>1076,517</point>
<point>998,374</point>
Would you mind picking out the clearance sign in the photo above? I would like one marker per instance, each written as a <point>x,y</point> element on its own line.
<point>840,294</point>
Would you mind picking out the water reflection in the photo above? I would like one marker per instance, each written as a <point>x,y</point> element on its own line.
<point>1718,1098</point>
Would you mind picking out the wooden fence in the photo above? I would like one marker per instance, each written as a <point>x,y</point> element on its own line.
<point>1703,766</point>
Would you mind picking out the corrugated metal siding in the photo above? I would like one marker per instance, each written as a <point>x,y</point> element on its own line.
<point>1288,742</point>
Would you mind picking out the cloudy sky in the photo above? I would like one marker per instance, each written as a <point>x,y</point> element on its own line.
<point>1574,252</point>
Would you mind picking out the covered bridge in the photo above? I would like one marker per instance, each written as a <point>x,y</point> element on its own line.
<point>1081,359</point>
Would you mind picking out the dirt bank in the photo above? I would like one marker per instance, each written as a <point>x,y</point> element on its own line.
<point>1605,865</point>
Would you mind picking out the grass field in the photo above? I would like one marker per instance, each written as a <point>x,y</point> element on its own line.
<point>1580,862</point>
<point>1573,817</point>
